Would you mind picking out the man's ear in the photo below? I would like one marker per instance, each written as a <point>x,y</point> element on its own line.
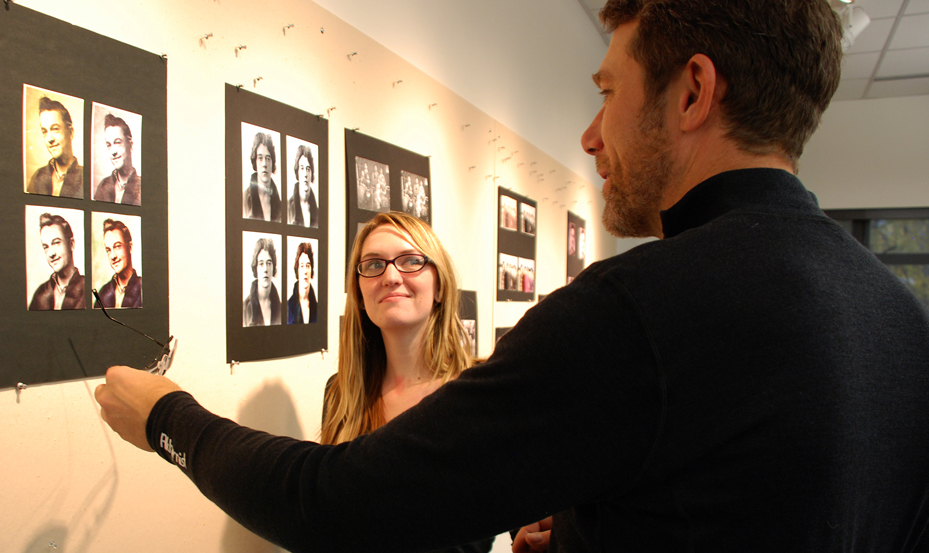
<point>699,87</point>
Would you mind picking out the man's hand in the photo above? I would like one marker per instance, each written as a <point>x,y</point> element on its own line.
<point>534,537</point>
<point>127,399</point>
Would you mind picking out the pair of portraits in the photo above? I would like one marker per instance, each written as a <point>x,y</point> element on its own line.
<point>268,270</point>
<point>55,259</point>
<point>279,185</point>
<point>54,153</point>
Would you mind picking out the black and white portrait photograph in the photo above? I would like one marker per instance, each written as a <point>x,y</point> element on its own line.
<point>527,218</point>
<point>302,258</point>
<point>116,155</point>
<point>581,243</point>
<point>415,191</point>
<point>116,260</point>
<point>53,143</point>
<point>373,181</point>
<point>572,239</point>
<point>303,188</point>
<point>526,276</point>
<point>508,212</point>
<point>54,258</point>
<point>470,326</point>
<point>261,279</point>
<point>261,150</point>
<point>508,272</point>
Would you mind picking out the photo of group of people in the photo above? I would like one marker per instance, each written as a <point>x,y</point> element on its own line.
<point>373,183</point>
<point>415,195</point>
<point>516,274</point>
<point>55,253</point>
<point>261,171</point>
<point>516,247</point>
<point>264,272</point>
<point>53,148</point>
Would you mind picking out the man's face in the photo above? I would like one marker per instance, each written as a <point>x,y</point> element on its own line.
<point>630,142</point>
<point>57,134</point>
<point>265,269</point>
<point>263,164</point>
<point>118,147</point>
<point>117,251</point>
<point>58,249</point>
<point>304,175</point>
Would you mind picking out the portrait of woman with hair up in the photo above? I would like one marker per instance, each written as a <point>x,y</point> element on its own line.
<point>402,338</point>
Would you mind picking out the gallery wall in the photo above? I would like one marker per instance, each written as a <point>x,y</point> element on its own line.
<point>70,483</point>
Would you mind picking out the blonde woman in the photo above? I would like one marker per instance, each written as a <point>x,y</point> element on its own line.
<point>402,338</point>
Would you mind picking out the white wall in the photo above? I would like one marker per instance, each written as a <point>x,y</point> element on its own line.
<point>66,478</point>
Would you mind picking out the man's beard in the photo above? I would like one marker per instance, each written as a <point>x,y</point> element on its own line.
<point>633,197</point>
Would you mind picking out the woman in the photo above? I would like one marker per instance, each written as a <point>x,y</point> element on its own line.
<point>301,307</point>
<point>302,208</point>
<point>402,338</point>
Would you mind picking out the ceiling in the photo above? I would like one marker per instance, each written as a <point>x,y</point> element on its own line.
<point>889,58</point>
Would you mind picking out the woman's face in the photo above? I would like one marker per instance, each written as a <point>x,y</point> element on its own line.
<point>304,271</point>
<point>395,300</point>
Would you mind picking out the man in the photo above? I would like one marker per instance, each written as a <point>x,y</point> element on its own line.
<point>123,186</point>
<point>754,381</point>
<point>262,199</point>
<point>125,288</point>
<point>63,175</point>
<point>302,209</point>
<point>262,306</point>
<point>65,288</point>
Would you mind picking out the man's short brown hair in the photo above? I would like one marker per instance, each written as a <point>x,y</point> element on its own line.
<point>780,60</point>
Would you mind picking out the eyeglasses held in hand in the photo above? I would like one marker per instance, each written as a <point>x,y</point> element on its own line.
<point>162,363</point>
<point>408,263</point>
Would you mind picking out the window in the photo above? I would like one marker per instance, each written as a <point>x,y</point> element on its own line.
<point>898,237</point>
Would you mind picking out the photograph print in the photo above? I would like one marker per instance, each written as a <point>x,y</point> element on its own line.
<point>303,188</point>
<point>527,218</point>
<point>54,258</point>
<point>261,279</point>
<point>508,273</point>
<point>507,212</point>
<point>116,257</point>
<point>302,256</point>
<point>53,143</point>
<point>116,155</point>
<point>373,182</point>
<point>526,278</point>
<point>415,191</point>
<point>261,197</point>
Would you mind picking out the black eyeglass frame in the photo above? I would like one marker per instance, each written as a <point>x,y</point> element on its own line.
<point>387,262</point>
<point>162,362</point>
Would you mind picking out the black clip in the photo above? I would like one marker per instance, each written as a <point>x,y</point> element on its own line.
<point>7,2</point>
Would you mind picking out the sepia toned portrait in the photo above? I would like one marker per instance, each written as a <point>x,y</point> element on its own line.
<point>302,304</point>
<point>53,143</point>
<point>508,212</point>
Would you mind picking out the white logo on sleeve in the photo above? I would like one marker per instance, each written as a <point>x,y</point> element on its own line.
<point>179,459</point>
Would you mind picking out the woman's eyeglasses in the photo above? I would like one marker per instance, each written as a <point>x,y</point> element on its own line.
<point>408,263</point>
<point>162,363</point>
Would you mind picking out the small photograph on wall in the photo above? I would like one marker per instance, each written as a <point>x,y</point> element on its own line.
<point>467,312</point>
<point>415,195</point>
<point>303,190</point>
<point>116,254</point>
<point>116,155</point>
<point>470,326</point>
<point>302,306</point>
<point>509,272</point>
<point>572,239</point>
<point>581,243</point>
<point>373,182</point>
<point>526,276</point>
<point>54,259</point>
<point>527,218</point>
<point>577,246</point>
<point>261,277</point>
<point>53,143</point>
<point>508,212</point>
<point>261,197</point>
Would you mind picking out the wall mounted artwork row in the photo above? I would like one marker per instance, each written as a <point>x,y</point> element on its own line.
<point>516,237</point>
<point>77,208</point>
<point>277,225</point>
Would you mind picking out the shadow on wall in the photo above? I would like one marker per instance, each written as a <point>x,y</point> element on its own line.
<point>272,410</point>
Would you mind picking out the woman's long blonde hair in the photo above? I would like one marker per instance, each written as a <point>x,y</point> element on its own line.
<point>352,404</point>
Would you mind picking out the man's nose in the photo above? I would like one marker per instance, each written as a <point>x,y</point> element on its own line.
<point>591,140</point>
